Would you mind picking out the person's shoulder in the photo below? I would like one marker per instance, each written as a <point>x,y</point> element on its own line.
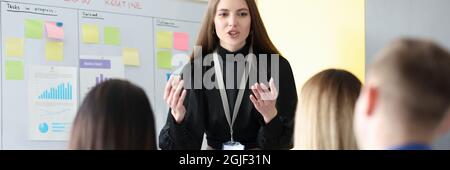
<point>283,62</point>
<point>283,59</point>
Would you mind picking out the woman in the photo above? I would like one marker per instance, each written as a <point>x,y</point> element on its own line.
<point>326,111</point>
<point>114,115</point>
<point>261,117</point>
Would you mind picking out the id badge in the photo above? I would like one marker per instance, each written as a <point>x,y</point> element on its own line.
<point>232,146</point>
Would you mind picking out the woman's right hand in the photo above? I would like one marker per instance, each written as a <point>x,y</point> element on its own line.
<point>174,95</point>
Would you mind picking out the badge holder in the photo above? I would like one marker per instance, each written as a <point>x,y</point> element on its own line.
<point>231,145</point>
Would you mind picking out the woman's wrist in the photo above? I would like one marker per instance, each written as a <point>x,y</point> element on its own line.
<point>269,117</point>
<point>178,117</point>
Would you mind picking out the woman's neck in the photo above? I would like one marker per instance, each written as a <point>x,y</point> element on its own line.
<point>232,48</point>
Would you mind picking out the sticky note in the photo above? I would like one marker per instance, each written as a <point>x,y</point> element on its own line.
<point>179,60</point>
<point>91,34</point>
<point>112,36</point>
<point>181,41</point>
<point>168,76</point>
<point>54,31</point>
<point>131,57</point>
<point>34,29</point>
<point>164,59</point>
<point>14,70</point>
<point>164,39</point>
<point>54,51</point>
<point>14,47</point>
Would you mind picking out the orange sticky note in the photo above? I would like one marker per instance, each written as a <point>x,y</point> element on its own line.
<point>54,30</point>
<point>181,41</point>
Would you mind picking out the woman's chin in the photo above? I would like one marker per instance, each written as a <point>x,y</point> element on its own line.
<point>236,42</point>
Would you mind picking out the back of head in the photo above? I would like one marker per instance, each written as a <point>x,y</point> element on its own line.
<point>327,103</point>
<point>114,115</point>
<point>413,78</point>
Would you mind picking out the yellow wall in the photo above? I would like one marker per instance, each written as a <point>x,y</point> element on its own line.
<point>317,34</point>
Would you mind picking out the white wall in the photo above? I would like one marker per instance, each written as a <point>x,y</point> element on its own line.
<point>389,19</point>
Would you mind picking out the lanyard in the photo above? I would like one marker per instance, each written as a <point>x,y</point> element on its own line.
<point>223,94</point>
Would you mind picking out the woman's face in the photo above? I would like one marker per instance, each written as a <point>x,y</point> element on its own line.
<point>232,23</point>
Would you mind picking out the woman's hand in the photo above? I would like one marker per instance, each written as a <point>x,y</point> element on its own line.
<point>265,99</point>
<point>174,99</point>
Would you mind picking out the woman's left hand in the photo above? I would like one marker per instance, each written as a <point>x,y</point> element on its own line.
<point>264,100</point>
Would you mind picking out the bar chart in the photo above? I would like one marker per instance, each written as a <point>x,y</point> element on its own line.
<point>62,91</point>
<point>100,79</point>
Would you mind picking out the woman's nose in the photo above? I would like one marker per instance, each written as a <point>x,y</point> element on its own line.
<point>232,21</point>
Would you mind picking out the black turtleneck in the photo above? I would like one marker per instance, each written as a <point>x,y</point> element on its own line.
<point>232,91</point>
<point>205,113</point>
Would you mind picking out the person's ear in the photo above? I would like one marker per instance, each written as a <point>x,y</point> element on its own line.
<point>445,124</point>
<point>372,100</point>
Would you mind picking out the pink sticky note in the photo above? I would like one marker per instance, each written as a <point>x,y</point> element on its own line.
<point>181,41</point>
<point>54,30</point>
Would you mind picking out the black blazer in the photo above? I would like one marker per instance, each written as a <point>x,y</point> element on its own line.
<point>205,114</point>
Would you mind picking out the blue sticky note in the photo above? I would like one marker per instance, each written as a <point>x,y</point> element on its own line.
<point>168,76</point>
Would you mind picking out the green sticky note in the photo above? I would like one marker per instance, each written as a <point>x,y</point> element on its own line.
<point>14,70</point>
<point>131,57</point>
<point>164,59</point>
<point>34,29</point>
<point>112,36</point>
<point>164,39</point>
<point>14,47</point>
<point>90,33</point>
<point>54,51</point>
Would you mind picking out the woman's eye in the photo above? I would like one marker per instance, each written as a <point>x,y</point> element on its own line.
<point>243,14</point>
<point>223,14</point>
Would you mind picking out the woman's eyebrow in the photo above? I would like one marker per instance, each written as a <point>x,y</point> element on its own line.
<point>239,10</point>
<point>224,10</point>
<point>242,9</point>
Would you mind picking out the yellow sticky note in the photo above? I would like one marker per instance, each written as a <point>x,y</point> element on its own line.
<point>14,70</point>
<point>54,51</point>
<point>131,56</point>
<point>164,39</point>
<point>91,34</point>
<point>34,29</point>
<point>164,59</point>
<point>14,47</point>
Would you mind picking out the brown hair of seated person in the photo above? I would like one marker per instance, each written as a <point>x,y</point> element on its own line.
<point>115,115</point>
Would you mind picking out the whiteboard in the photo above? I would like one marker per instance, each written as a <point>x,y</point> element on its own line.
<point>138,23</point>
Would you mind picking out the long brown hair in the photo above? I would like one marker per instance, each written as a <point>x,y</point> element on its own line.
<point>327,105</point>
<point>114,115</point>
<point>208,40</point>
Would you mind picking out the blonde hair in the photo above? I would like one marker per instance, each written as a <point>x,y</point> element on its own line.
<point>326,111</point>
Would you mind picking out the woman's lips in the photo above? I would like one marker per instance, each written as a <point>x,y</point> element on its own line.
<point>233,34</point>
